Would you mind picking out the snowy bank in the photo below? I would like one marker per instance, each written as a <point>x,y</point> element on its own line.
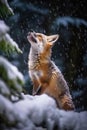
<point>38,113</point>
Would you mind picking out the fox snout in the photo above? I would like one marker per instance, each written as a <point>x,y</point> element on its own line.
<point>32,37</point>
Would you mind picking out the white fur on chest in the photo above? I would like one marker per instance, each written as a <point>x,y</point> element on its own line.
<point>36,74</point>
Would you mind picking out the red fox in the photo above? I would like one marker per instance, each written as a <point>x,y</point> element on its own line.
<point>45,75</point>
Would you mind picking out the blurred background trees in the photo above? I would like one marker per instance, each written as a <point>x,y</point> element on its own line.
<point>69,20</point>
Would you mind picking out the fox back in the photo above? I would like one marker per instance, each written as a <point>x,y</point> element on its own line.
<point>45,75</point>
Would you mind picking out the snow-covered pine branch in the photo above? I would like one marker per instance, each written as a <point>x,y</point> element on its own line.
<point>7,44</point>
<point>5,9</point>
<point>11,80</point>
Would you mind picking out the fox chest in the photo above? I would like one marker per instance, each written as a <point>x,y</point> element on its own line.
<point>39,75</point>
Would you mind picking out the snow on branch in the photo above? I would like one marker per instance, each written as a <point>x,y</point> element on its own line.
<point>7,44</point>
<point>4,90</point>
<point>5,8</point>
<point>11,77</point>
<point>67,20</point>
<point>3,29</point>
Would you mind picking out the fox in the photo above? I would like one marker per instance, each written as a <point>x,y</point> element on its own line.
<point>44,74</point>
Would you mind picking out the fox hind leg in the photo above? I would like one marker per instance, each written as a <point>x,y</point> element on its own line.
<point>67,103</point>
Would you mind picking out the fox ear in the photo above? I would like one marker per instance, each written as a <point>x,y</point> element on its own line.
<point>52,39</point>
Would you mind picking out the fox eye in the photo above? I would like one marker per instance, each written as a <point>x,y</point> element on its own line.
<point>39,37</point>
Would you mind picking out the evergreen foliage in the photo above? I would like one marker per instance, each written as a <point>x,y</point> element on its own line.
<point>11,80</point>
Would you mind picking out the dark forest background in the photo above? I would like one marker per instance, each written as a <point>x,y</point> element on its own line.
<point>69,20</point>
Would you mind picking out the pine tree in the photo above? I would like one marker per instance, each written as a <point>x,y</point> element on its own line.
<point>11,80</point>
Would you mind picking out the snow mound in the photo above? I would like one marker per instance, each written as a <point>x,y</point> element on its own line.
<point>38,113</point>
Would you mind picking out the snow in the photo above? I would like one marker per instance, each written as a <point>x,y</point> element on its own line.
<point>6,42</point>
<point>74,120</point>
<point>65,21</point>
<point>25,111</point>
<point>12,71</point>
<point>4,90</point>
<point>39,113</point>
<point>12,43</point>
<point>12,77</point>
<point>32,107</point>
<point>6,109</point>
<point>3,29</point>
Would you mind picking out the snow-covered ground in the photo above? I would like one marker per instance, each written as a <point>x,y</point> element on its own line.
<point>38,113</point>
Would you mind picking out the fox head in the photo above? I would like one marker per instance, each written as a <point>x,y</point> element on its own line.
<point>40,42</point>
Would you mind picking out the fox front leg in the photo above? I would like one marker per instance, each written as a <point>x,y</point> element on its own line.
<point>37,84</point>
<point>37,90</point>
